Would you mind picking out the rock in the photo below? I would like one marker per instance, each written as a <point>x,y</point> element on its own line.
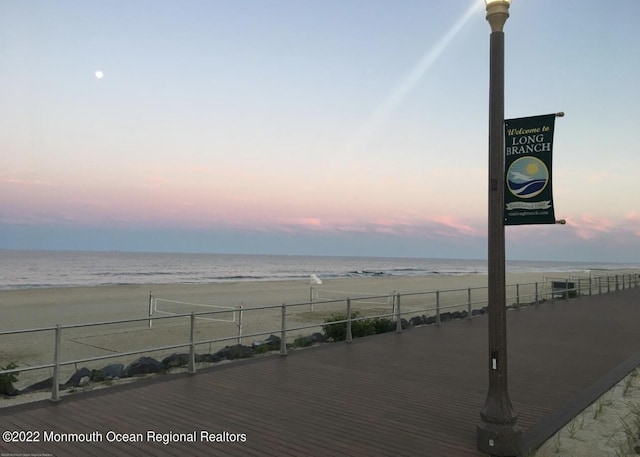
<point>416,320</point>
<point>47,384</point>
<point>444,317</point>
<point>76,378</point>
<point>403,323</point>
<point>237,351</point>
<point>115,371</point>
<point>272,343</point>
<point>456,315</point>
<point>319,337</point>
<point>429,320</point>
<point>210,358</point>
<point>176,360</point>
<point>143,365</point>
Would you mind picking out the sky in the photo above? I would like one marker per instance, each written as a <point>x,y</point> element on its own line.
<point>327,127</point>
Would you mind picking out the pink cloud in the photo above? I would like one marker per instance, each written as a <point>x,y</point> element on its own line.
<point>457,226</point>
<point>632,219</point>
<point>12,178</point>
<point>587,226</point>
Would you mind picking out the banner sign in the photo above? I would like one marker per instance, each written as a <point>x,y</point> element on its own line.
<point>528,194</point>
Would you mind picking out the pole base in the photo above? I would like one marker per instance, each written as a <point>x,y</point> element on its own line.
<point>499,439</point>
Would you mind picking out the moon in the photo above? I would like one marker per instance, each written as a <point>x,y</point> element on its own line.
<point>99,74</point>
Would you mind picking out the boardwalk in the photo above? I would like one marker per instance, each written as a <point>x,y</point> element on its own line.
<point>415,393</point>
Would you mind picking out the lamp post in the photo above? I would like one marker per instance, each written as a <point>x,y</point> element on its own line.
<point>497,433</point>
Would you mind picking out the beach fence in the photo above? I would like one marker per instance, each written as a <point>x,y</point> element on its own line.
<point>197,328</point>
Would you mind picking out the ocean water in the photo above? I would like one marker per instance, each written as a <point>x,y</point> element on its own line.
<point>33,269</point>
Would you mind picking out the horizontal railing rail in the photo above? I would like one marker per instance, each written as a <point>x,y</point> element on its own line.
<point>436,303</point>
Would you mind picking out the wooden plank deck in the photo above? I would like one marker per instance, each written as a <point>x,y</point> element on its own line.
<point>415,393</point>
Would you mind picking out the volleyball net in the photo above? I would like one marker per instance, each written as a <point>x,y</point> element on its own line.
<point>213,313</point>
<point>318,295</point>
<point>359,300</point>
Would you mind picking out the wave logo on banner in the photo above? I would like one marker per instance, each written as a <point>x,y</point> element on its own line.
<point>527,177</point>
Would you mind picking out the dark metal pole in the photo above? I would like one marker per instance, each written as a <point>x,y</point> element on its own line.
<point>497,434</point>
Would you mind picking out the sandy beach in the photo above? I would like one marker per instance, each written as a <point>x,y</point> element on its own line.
<point>609,426</point>
<point>28,308</point>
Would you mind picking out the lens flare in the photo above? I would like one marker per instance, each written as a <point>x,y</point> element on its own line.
<point>408,82</point>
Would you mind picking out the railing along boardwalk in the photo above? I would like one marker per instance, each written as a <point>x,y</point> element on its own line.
<point>95,342</point>
<point>413,393</point>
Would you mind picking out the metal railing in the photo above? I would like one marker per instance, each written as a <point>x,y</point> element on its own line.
<point>440,305</point>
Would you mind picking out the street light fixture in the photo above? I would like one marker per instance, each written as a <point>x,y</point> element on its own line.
<point>497,433</point>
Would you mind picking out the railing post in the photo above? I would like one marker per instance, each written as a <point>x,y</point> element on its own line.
<point>537,297</point>
<point>349,336</point>
<point>240,311</point>
<point>608,284</point>
<point>579,291</point>
<point>150,310</point>
<point>518,296</point>
<point>398,314</point>
<point>192,346</point>
<point>437,307</point>
<point>283,331</point>
<point>590,284</point>
<point>469,316</point>
<point>599,285</point>
<point>566,289</point>
<point>393,303</point>
<point>311,298</point>
<point>55,382</point>
<point>617,286</point>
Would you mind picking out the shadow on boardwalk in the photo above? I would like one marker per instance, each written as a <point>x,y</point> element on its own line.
<point>415,393</point>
